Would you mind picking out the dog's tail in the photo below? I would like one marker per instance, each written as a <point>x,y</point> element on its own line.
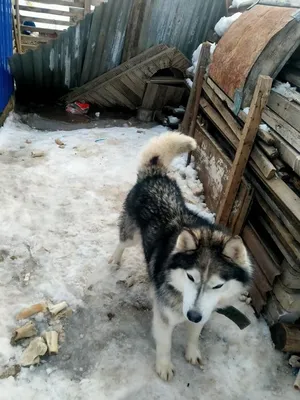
<point>160,151</point>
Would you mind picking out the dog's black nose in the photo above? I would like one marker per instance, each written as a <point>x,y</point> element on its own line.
<point>194,316</point>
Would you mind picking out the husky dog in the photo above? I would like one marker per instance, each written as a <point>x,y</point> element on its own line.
<point>194,267</point>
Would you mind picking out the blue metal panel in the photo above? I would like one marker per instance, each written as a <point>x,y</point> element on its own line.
<point>6,81</point>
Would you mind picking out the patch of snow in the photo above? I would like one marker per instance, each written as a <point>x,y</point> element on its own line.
<point>64,207</point>
<point>225,22</point>
<point>196,55</point>
<point>189,82</point>
<point>263,127</point>
<point>241,3</point>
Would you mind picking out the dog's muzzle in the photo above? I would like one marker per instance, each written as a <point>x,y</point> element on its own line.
<point>194,316</point>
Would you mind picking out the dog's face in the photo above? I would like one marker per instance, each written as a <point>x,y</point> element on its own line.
<point>210,269</point>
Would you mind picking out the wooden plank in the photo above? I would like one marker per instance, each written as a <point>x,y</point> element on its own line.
<point>133,30</point>
<point>287,110</point>
<point>258,160</point>
<point>283,128</point>
<point>40,30</point>
<point>270,151</point>
<point>258,103</point>
<point>261,160</point>
<point>147,54</point>
<point>18,24</point>
<point>27,39</point>
<point>262,134</point>
<point>193,105</point>
<point>45,20</point>
<point>192,109</point>
<point>87,6</point>
<point>48,11</point>
<point>292,225</point>
<point>266,263</point>
<point>76,4</point>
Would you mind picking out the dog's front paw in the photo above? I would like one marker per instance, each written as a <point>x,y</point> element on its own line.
<point>165,369</point>
<point>114,263</point>
<point>193,356</point>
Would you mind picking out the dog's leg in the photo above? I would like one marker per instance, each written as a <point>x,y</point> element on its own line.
<point>129,236</point>
<point>162,332</point>
<point>192,353</point>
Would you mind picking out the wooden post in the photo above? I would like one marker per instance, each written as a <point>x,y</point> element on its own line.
<point>87,7</point>
<point>193,104</point>
<point>190,117</point>
<point>18,23</point>
<point>249,132</point>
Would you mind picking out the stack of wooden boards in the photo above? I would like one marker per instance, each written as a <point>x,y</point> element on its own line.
<point>266,211</point>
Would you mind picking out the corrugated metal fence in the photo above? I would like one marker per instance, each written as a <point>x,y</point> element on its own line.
<point>95,45</point>
<point>6,82</point>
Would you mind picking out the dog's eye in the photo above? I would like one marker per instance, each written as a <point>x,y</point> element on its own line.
<point>191,278</point>
<point>218,286</point>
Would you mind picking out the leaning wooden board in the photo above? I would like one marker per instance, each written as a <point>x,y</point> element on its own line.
<point>213,168</point>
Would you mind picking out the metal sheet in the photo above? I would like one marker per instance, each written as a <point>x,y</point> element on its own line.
<point>6,81</point>
<point>240,47</point>
<point>95,45</point>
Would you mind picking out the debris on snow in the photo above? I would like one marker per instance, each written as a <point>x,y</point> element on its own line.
<point>225,22</point>
<point>35,154</point>
<point>32,310</point>
<point>51,339</point>
<point>25,331</point>
<point>12,370</point>
<point>56,308</point>
<point>32,353</point>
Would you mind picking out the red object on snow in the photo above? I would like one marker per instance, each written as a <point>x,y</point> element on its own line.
<point>78,108</point>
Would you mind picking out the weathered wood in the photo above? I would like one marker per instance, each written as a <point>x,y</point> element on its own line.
<point>157,96</point>
<point>289,277</point>
<point>258,159</point>
<point>279,164</point>
<point>287,110</point>
<point>45,21</point>
<point>87,6</point>
<point>76,4</point>
<point>26,39</point>
<point>262,134</point>
<point>41,30</point>
<point>286,337</point>
<point>18,23</point>
<point>270,151</point>
<point>292,225</point>
<point>266,263</point>
<point>9,107</point>
<point>192,107</point>
<point>195,93</point>
<point>258,103</point>
<point>287,240</point>
<point>213,167</point>
<point>114,83</point>
<point>48,11</point>
<point>133,30</point>
<point>282,127</point>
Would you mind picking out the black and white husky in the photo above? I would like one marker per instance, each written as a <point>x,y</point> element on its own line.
<point>194,267</point>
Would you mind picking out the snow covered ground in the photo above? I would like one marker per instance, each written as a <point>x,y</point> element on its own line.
<point>58,227</point>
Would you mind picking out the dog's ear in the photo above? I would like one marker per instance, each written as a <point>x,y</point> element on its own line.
<point>186,241</point>
<point>235,250</point>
